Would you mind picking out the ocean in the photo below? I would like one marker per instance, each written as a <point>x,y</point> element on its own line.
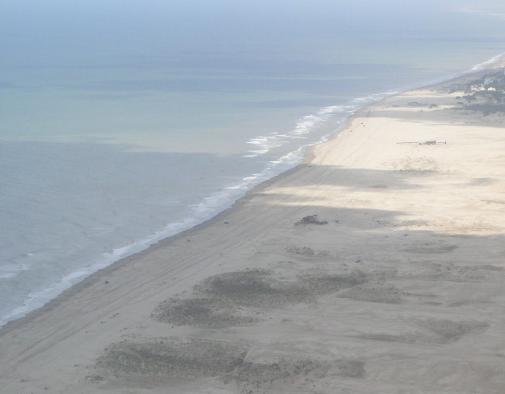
<point>126,122</point>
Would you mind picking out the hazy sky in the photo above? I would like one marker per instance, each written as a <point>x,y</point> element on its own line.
<point>105,32</point>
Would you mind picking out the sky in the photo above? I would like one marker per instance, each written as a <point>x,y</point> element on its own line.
<point>139,32</point>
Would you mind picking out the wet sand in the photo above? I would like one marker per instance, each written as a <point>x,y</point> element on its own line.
<point>376,267</point>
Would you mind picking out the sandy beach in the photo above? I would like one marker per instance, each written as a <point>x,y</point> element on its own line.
<point>375,267</point>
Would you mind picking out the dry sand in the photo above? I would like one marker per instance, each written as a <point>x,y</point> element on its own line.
<point>376,267</point>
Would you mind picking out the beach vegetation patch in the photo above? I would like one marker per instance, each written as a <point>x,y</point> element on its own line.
<point>162,358</point>
<point>257,288</point>
<point>201,312</point>
<point>312,219</point>
<point>264,377</point>
<point>236,298</point>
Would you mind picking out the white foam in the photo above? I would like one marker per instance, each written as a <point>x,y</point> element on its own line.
<point>8,271</point>
<point>494,62</point>
<point>205,210</point>
<point>7,275</point>
<point>303,128</point>
<point>212,205</point>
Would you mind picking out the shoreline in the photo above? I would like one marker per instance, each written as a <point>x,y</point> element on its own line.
<point>77,287</point>
<point>495,61</point>
<point>373,230</point>
<point>153,244</point>
<point>308,156</point>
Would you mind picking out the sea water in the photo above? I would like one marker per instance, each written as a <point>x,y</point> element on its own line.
<point>125,122</point>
